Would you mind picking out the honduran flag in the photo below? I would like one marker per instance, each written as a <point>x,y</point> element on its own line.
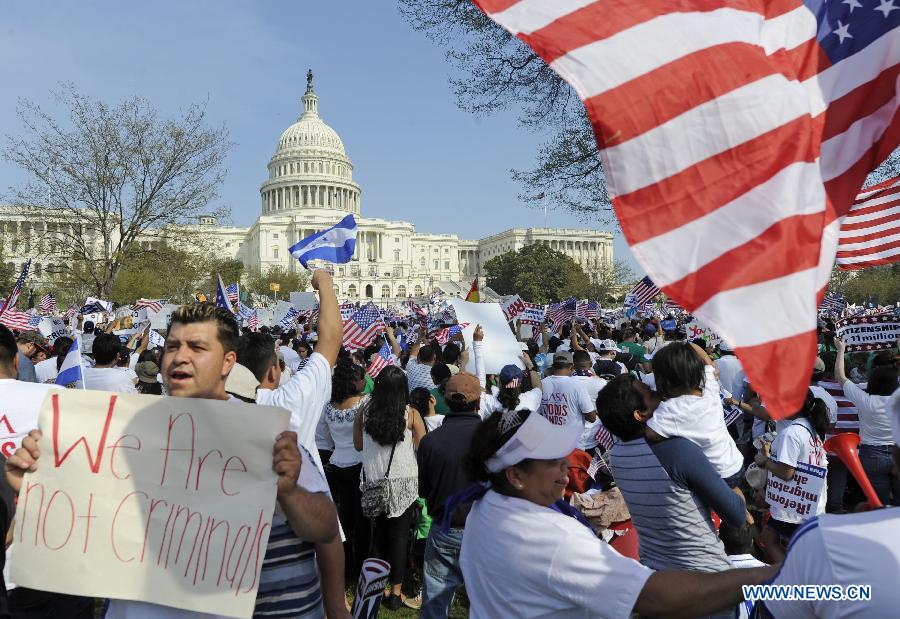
<point>336,244</point>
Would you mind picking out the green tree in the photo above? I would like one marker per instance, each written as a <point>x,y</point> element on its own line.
<point>880,285</point>
<point>230,269</point>
<point>7,275</point>
<point>610,282</point>
<point>538,274</point>
<point>258,282</point>
<point>163,273</point>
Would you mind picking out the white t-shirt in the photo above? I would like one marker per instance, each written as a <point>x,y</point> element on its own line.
<point>433,422</point>
<point>874,424</point>
<point>845,549</point>
<point>520,559</point>
<point>593,384</point>
<point>528,400</point>
<point>109,379</point>
<point>291,358</point>
<point>46,370</point>
<point>701,420</point>
<point>731,375</point>
<point>304,396</point>
<point>798,442</point>
<point>565,400</point>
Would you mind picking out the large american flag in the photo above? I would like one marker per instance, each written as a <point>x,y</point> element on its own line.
<point>870,233</point>
<point>13,297</point>
<point>380,361</point>
<point>48,303</point>
<point>642,293</point>
<point>734,135</point>
<point>363,327</point>
<point>21,321</point>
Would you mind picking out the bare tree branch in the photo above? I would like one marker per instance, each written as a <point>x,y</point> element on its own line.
<point>116,176</point>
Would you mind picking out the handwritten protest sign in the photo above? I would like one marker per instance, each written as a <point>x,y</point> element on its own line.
<point>869,333</point>
<point>163,500</point>
<point>800,496</point>
<point>347,310</point>
<point>694,330</point>
<point>512,306</point>
<point>52,328</point>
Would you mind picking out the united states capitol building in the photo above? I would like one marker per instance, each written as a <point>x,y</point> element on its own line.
<point>310,187</point>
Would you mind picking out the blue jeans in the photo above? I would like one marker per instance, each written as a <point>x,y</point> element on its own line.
<point>878,464</point>
<point>441,575</point>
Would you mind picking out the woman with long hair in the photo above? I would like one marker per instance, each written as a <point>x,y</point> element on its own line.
<point>800,441</point>
<point>387,432</point>
<point>875,439</point>
<point>345,462</point>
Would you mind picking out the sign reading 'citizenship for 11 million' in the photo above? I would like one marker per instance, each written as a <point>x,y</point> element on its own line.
<point>163,500</point>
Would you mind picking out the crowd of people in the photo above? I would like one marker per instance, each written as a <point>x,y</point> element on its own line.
<point>464,480</point>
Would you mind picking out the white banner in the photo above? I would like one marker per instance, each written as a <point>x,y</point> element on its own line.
<point>869,333</point>
<point>52,328</point>
<point>533,314</point>
<point>500,345</point>
<point>800,496</point>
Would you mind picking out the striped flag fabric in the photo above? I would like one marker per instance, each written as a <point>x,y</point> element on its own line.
<point>420,314</point>
<point>443,335</point>
<point>71,312</point>
<point>832,303</point>
<point>20,321</point>
<point>154,305</point>
<point>253,321</point>
<point>289,318</point>
<point>870,233</point>
<point>363,327</point>
<point>222,299</point>
<point>48,303</point>
<point>588,309</point>
<point>231,291</point>
<point>92,308</point>
<point>733,136</point>
<point>561,312</point>
<point>380,360</point>
<point>13,297</point>
<point>641,293</point>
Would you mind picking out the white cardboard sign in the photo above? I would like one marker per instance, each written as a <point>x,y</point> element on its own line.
<point>500,345</point>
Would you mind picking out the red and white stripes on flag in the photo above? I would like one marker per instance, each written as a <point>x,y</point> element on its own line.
<point>733,134</point>
<point>155,305</point>
<point>14,319</point>
<point>870,233</point>
<point>48,303</point>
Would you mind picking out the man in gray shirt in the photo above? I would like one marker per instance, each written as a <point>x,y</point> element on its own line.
<point>669,486</point>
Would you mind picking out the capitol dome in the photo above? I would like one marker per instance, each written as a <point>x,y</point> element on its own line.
<point>310,168</point>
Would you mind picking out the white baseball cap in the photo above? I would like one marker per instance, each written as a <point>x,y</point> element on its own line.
<point>607,346</point>
<point>535,439</point>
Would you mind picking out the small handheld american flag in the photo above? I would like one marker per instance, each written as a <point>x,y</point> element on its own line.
<point>17,289</point>
<point>380,361</point>
<point>48,303</point>
<point>363,327</point>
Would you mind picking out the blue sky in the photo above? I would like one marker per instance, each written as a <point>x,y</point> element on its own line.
<point>382,86</point>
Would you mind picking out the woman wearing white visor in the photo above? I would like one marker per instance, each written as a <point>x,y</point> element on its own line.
<point>524,555</point>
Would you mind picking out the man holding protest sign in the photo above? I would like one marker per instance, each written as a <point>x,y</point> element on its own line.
<point>198,356</point>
